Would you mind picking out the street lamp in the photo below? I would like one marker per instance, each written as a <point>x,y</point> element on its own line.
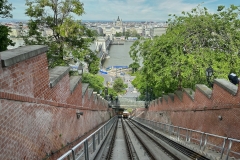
<point>81,67</point>
<point>106,93</point>
<point>116,99</point>
<point>209,73</point>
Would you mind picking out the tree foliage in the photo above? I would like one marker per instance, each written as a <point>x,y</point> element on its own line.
<point>131,33</point>
<point>5,12</point>
<point>94,81</point>
<point>118,85</point>
<point>135,66</point>
<point>69,37</point>
<point>93,62</point>
<point>193,41</point>
<point>5,9</point>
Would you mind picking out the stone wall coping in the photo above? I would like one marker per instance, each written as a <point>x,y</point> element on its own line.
<point>204,90</point>
<point>74,81</point>
<point>189,92</point>
<point>90,92</point>
<point>84,88</point>
<point>179,94</point>
<point>160,99</point>
<point>94,96</point>
<point>165,97</point>
<point>14,56</point>
<point>226,85</point>
<point>171,95</point>
<point>56,74</point>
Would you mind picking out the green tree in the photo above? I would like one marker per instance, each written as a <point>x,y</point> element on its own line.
<point>118,85</point>
<point>5,12</point>
<point>193,41</point>
<point>127,34</point>
<point>93,62</point>
<point>135,66</point>
<point>118,34</point>
<point>94,81</point>
<point>69,37</point>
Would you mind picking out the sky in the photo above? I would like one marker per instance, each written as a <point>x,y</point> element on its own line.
<point>132,10</point>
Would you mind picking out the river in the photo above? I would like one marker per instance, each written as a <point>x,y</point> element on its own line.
<point>119,54</point>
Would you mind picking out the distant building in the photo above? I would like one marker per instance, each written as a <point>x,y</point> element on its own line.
<point>14,32</point>
<point>158,31</point>
<point>99,30</point>
<point>116,28</point>
<point>148,32</point>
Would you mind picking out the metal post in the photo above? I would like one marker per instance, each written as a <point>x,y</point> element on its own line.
<point>205,142</point>
<point>73,155</point>
<point>101,133</point>
<point>186,136</point>
<point>86,150</point>
<point>190,136</point>
<point>229,148</point>
<point>223,146</point>
<point>98,137</point>
<point>178,133</point>
<point>94,143</point>
<point>201,141</point>
<point>104,130</point>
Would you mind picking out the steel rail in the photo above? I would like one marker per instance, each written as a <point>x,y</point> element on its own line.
<point>158,144</point>
<point>131,150</point>
<point>191,154</point>
<point>142,143</point>
<point>111,145</point>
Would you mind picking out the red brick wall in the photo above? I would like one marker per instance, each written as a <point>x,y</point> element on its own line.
<point>36,120</point>
<point>201,114</point>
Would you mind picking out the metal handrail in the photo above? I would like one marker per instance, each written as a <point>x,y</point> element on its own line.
<point>203,141</point>
<point>104,129</point>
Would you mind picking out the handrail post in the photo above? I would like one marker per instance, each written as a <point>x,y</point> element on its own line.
<point>190,136</point>
<point>178,133</point>
<point>186,135</point>
<point>223,146</point>
<point>94,143</point>
<point>86,150</point>
<point>98,137</point>
<point>73,155</point>
<point>229,148</point>
<point>205,142</point>
<point>201,141</point>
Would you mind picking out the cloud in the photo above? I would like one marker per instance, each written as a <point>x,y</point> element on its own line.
<point>134,9</point>
<point>155,10</point>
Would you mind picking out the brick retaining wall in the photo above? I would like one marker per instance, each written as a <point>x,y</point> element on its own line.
<point>35,119</point>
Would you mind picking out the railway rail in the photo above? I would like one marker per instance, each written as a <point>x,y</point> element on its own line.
<point>128,139</point>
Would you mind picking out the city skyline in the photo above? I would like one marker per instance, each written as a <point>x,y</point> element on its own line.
<point>131,10</point>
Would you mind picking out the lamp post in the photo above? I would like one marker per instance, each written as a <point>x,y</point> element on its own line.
<point>106,93</point>
<point>209,73</point>
<point>148,97</point>
<point>116,99</point>
<point>81,67</point>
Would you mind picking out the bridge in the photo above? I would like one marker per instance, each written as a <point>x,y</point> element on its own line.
<point>47,114</point>
<point>102,46</point>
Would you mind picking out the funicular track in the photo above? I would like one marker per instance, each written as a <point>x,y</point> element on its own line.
<point>189,153</point>
<point>128,144</point>
<point>148,149</point>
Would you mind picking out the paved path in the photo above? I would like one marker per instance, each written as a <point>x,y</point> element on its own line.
<point>130,90</point>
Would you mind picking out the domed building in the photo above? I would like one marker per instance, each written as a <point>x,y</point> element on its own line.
<point>116,28</point>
